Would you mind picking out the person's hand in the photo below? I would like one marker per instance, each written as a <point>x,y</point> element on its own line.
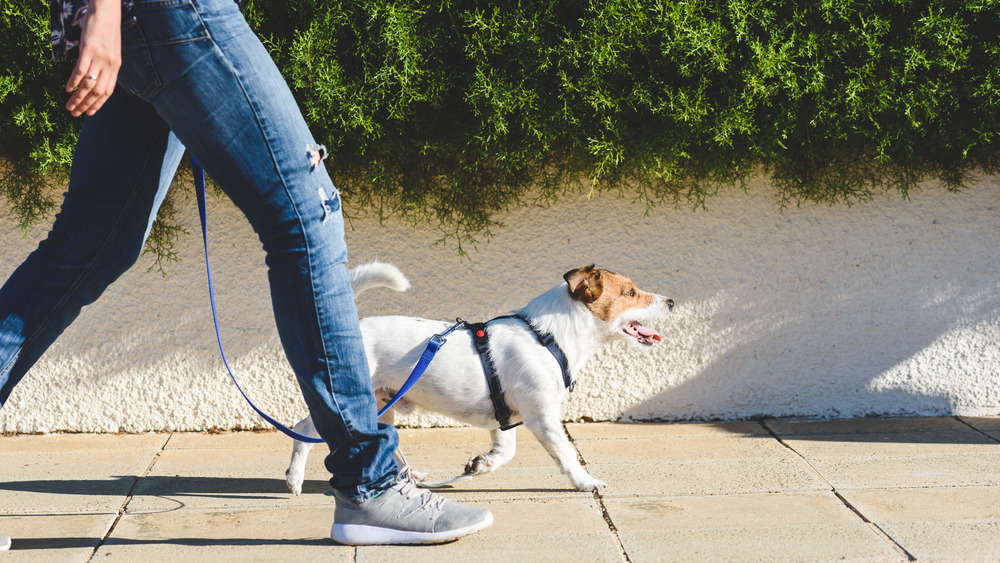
<point>96,73</point>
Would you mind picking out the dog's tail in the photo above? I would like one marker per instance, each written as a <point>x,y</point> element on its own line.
<point>377,274</point>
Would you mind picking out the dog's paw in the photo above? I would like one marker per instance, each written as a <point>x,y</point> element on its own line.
<point>589,484</point>
<point>482,463</point>
<point>294,483</point>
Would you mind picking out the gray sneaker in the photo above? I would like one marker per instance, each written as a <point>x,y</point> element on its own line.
<point>4,543</point>
<point>404,514</point>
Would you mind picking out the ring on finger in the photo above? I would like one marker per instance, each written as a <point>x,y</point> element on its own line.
<point>91,77</point>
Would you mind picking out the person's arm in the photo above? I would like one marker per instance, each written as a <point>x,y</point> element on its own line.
<point>96,73</point>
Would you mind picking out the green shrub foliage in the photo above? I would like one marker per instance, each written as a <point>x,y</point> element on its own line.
<point>453,111</point>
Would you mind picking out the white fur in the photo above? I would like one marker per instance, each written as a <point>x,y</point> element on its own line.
<point>454,383</point>
<point>378,274</point>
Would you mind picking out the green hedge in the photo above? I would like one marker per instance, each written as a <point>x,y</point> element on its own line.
<point>455,110</point>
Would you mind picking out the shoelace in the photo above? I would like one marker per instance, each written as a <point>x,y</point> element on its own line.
<point>410,490</point>
<point>428,500</point>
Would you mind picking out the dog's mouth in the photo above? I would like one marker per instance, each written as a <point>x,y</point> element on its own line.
<point>643,334</point>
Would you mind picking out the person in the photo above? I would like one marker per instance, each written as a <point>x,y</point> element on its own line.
<point>154,77</point>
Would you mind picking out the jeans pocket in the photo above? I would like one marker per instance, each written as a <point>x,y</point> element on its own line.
<point>138,74</point>
<point>169,22</point>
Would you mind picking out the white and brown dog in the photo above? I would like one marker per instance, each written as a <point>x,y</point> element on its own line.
<point>591,308</point>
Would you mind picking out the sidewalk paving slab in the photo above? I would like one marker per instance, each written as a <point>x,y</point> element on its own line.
<point>868,490</point>
<point>271,534</point>
<point>809,526</point>
<point>914,471</point>
<point>948,541</point>
<point>706,477</point>
<point>239,478</point>
<point>937,522</point>
<point>987,425</point>
<point>699,459</point>
<point>681,449</point>
<point>932,485</point>
<point>72,472</point>
<point>872,425</point>
<point>893,453</point>
<point>445,451</point>
<point>591,431</point>
<point>55,538</point>
<point>567,529</point>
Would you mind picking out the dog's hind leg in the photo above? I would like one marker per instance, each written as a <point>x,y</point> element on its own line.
<point>550,433</point>
<point>296,472</point>
<point>502,451</point>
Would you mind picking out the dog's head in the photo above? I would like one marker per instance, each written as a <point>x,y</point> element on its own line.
<point>615,300</point>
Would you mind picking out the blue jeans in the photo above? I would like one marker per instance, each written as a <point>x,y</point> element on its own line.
<point>194,75</point>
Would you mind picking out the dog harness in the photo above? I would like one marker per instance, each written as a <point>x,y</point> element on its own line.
<point>481,340</point>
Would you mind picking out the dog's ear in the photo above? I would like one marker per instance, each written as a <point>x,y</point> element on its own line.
<point>584,283</point>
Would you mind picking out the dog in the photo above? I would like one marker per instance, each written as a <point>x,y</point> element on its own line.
<point>590,308</point>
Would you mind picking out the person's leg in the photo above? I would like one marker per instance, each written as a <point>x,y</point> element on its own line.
<point>214,84</point>
<point>123,164</point>
<point>222,95</point>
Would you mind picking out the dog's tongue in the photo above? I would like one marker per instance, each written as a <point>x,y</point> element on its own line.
<point>644,334</point>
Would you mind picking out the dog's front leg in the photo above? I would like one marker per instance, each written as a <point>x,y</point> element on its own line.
<point>503,449</point>
<point>296,472</point>
<point>550,433</point>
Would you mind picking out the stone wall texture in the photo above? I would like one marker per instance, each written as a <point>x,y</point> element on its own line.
<point>889,307</point>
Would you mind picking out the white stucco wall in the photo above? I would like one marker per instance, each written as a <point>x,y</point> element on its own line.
<point>888,307</point>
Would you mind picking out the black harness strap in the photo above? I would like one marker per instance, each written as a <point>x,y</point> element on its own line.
<point>546,339</point>
<point>481,340</point>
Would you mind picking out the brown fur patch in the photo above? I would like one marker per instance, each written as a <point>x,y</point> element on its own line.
<point>606,294</point>
<point>584,283</point>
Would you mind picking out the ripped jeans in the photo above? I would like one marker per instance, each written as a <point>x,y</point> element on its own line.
<point>195,75</point>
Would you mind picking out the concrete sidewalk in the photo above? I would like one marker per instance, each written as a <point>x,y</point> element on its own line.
<point>777,490</point>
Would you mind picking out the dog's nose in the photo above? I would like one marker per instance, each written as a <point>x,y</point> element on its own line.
<point>670,303</point>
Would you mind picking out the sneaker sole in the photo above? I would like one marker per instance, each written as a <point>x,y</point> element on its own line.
<point>356,534</point>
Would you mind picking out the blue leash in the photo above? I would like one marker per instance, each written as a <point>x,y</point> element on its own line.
<point>433,345</point>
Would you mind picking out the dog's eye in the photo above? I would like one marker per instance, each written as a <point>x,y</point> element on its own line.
<point>631,293</point>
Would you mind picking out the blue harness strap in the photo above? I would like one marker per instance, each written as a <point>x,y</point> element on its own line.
<point>433,346</point>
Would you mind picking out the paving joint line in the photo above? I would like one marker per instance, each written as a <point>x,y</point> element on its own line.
<point>967,423</point>
<point>600,503</point>
<point>881,533</point>
<point>128,497</point>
